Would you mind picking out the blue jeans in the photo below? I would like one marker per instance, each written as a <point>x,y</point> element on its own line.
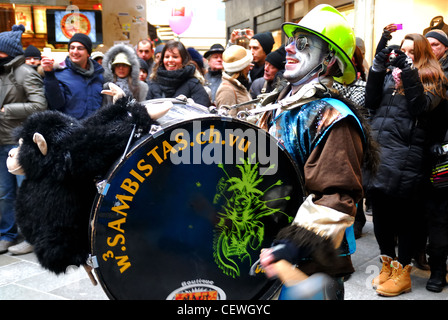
<point>9,184</point>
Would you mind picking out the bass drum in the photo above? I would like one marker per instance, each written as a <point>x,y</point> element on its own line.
<point>186,212</point>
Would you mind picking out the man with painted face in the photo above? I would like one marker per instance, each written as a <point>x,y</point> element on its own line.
<point>329,142</point>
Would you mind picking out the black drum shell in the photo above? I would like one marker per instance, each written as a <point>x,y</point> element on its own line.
<point>164,230</point>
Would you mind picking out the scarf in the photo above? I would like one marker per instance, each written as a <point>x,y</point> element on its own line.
<point>84,72</point>
<point>396,75</point>
<point>124,85</point>
<point>169,81</point>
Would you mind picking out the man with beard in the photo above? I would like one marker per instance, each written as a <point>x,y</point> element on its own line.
<point>329,143</point>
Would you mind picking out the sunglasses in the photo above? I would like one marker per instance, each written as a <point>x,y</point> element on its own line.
<point>301,42</point>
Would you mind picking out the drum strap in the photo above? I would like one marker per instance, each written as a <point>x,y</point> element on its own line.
<point>305,95</point>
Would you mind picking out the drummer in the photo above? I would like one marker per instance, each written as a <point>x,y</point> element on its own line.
<point>327,139</point>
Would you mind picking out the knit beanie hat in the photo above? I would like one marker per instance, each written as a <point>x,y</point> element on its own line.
<point>84,39</point>
<point>11,41</point>
<point>236,58</point>
<point>277,58</point>
<point>266,41</point>
<point>143,65</point>
<point>32,51</point>
<point>196,57</point>
<point>439,35</point>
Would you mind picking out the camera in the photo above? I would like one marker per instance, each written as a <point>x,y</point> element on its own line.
<point>242,33</point>
<point>391,57</point>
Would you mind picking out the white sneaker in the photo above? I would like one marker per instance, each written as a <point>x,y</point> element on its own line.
<point>21,248</point>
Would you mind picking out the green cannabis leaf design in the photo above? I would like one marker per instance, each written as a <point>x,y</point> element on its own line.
<point>239,229</point>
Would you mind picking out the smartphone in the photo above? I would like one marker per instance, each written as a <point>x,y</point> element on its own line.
<point>399,26</point>
<point>47,52</point>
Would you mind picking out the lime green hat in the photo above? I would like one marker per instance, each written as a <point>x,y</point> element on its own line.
<point>330,25</point>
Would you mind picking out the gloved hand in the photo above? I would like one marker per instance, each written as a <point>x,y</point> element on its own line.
<point>284,249</point>
<point>380,62</point>
<point>437,150</point>
<point>402,61</point>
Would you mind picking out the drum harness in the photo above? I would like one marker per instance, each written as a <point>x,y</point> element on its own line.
<point>305,95</point>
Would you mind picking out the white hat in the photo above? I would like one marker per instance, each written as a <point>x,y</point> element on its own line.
<point>236,58</point>
<point>96,55</point>
<point>121,58</point>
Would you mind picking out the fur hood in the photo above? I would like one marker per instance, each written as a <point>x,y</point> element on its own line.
<point>109,57</point>
<point>139,89</point>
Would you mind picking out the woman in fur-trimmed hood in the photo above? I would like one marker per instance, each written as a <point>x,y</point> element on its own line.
<point>121,66</point>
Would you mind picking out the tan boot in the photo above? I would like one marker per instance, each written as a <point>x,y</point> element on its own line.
<point>385,272</point>
<point>399,281</point>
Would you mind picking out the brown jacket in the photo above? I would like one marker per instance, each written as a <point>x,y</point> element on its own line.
<point>232,92</point>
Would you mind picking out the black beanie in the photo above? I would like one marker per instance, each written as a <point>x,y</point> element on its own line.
<point>82,38</point>
<point>32,51</point>
<point>277,58</point>
<point>266,41</point>
<point>439,35</point>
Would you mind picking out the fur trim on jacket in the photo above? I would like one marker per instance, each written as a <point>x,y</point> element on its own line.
<point>138,88</point>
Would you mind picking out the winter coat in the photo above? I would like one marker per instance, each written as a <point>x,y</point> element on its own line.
<point>70,92</point>
<point>399,125</point>
<point>171,84</point>
<point>21,94</point>
<point>138,89</point>
<point>231,92</point>
<point>213,80</point>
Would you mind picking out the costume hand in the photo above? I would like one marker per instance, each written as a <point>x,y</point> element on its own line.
<point>115,91</point>
<point>380,62</point>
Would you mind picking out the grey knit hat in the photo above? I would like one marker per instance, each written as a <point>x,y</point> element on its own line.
<point>11,41</point>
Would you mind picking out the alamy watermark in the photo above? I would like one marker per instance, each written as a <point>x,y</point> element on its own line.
<point>211,145</point>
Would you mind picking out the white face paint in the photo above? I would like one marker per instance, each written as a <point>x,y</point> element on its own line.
<point>304,52</point>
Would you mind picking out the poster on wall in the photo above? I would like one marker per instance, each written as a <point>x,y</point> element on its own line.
<point>67,24</point>
<point>23,17</point>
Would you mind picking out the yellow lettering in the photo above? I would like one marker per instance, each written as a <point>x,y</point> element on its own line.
<point>123,263</point>
<point>124,205</point>
<point>142,167</point>
<point>117,224</point>
<point>117,238</point>
<point>198,138</point>
<point>129,186</point>
<point>137,176</point>
<point>167,148</point>
<point>155,155</point>
<point>179,139</point>
<point>232,141</point>
<point>214,133</point>
<point>241,144</point>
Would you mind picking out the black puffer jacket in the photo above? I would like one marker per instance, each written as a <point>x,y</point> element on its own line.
<point>170,84</point>
<point>399,124</point>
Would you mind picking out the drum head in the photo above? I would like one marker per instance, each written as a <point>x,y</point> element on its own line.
<point>185,214</point>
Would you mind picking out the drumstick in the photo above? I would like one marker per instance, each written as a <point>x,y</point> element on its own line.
<point>90,274</point>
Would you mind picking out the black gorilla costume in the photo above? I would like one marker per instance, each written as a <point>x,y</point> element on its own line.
<point>55,199</point>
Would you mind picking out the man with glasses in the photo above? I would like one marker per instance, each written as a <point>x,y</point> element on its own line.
<point>329,143</point>
<point>75,87</point>
<point>33,57</point>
